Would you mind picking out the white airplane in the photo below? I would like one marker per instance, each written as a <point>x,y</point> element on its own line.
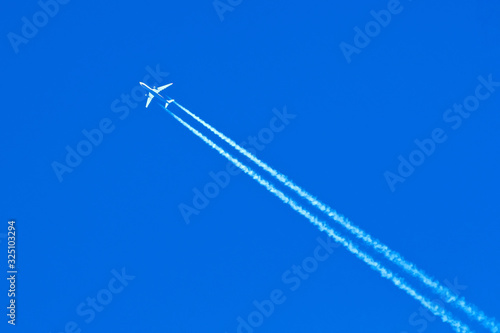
<point>154,92</point>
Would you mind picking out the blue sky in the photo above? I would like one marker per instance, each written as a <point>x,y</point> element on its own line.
<point>109,226</point>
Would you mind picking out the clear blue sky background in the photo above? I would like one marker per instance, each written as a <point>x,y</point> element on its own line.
<point>119,208</point>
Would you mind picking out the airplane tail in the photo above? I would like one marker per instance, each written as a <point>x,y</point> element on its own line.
<point>168,102</point>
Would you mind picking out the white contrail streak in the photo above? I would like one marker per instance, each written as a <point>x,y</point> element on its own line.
<point>471,310</point>
<point>399,282</point>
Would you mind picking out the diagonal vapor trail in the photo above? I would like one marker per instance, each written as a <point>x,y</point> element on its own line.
<point>445,316</point>
<point>471,310</point>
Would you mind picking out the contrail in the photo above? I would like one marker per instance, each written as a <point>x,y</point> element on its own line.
<point>471,310</point>
<point>386,273</point>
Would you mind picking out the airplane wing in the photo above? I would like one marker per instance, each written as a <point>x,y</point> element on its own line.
<point>163,87</point>
<point>150,98</point>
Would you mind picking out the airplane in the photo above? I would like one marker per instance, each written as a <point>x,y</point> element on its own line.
<point>154,92</point>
